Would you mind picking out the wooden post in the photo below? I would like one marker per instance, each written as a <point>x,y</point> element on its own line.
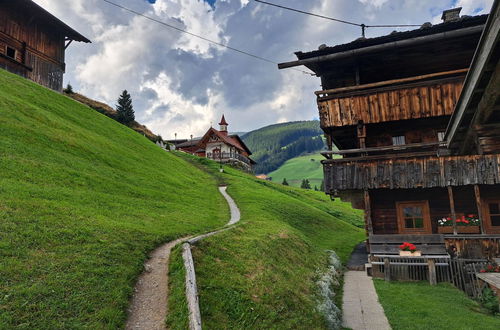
<point>361,132</point>
<point>452,209</point>
<point>479,205</point>
<point>432,271</point>
<point>387,270</point>
<point>368,213</point>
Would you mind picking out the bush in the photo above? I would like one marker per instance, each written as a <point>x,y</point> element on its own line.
<point>490,301</point>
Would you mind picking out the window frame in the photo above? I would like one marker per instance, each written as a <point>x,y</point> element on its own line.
<point>7,47</point>
<point>487,216</point>
<point>427,227</point>
<point>393,137</point>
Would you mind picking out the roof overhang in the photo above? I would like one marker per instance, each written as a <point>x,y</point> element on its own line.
<point>437,37</point>
<point>478,81</point>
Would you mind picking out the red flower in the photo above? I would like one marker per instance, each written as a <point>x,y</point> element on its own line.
<point>482,271</point>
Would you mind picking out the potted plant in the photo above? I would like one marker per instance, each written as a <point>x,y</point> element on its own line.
<point>465,225</point>
<point>409,250</point>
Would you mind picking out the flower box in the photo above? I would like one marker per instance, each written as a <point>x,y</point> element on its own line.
<point>460,229</point>
<point>410,254</point>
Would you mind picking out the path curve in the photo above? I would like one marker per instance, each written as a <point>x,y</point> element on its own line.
<point>148,308</point>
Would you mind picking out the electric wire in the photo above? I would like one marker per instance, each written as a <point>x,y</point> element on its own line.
<point>199,36</point>
<point>334,19</point>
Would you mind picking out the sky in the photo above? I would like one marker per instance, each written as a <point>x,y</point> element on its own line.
<point>181,84</point>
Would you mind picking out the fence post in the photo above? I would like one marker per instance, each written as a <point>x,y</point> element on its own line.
<point>387,269</point>
<point>432,271</point>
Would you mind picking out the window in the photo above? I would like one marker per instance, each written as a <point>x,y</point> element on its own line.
<point>398,140</point>
<point>413,217</point>
<point>11,52</point>
<point>440,136</point>
<point>494,212</point>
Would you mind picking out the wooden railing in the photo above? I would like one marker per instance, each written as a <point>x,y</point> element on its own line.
<point>409,98</point>
<point>225,156</point>
<point>407,171</point>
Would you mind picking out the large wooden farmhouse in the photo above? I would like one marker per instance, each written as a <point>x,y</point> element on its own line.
<point>218,145</point>
<point>33,42</point>
<point>415,116</point>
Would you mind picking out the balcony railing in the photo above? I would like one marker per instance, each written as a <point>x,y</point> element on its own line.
<point>410,170</point>
<point>409,98</point>
<point>226,156</point>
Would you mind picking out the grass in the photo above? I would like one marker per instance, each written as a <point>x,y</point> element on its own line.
<point>299,168</point>
<point>421,306</point>
<point>83,200</point>
<point>262,273</point>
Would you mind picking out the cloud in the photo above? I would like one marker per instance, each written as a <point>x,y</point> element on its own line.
<point>180,84</point>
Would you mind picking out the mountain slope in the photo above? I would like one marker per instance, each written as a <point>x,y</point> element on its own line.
<point>298,168</point>
<point>275,144</point>
<point>83,200</point>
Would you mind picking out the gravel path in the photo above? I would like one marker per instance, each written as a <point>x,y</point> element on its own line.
<point>148,308</point>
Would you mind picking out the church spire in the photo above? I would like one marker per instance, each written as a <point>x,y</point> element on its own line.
<point>223,125</point>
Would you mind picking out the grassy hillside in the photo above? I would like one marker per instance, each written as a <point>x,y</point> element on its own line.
<point>262,274</point>
<point>275,144</point>
<point>421,306</point>
<point>299,168</point>
<point>83,200</point>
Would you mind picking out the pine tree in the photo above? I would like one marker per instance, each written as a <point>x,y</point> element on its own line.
<point>303,184</point>
<point>125,109</point>
<point>307,184</point>
<point>322,186</point>
<point>285,183</point>
<point>315,188</point>
<point>68,89</point>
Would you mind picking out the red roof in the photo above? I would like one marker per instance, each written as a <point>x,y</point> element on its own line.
<point>223,121</point>
<point>232,140</point>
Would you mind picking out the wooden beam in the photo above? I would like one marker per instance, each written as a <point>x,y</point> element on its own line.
<point>385,148</point>
<point>479,204</point>
<point>431,263</point>
<point>391,82</point>
<point>452,209</point>
<point>368,213</point>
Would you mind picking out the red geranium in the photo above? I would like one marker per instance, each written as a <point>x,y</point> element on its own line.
<point>408,247</point>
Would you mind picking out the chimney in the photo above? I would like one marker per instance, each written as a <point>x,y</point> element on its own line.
<point>451,15</point>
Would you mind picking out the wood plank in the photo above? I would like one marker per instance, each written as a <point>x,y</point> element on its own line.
<point>452,209</point>
<point>479,204</point>
<point>399,239</point>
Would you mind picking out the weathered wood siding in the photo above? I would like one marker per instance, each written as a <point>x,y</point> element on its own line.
<point>39,48</point>
<point>410,101</point>
<point>411,172</point>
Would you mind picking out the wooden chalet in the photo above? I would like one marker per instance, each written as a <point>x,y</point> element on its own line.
<point>220,146</point>
<point>33,42</point>
<point>415,116</point>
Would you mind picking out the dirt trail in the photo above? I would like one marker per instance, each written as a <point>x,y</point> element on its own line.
<point>148,308</point>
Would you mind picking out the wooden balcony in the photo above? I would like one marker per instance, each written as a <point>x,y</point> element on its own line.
<point>409,170</point>
<point>228,156</point>
<point>409,98</point>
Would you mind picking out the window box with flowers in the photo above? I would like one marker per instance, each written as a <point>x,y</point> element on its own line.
<point>468,224</point>
<point>409,250</point>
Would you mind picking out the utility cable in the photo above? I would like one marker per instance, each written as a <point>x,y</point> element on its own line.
<point>363,26</point>
<point>198,36</point>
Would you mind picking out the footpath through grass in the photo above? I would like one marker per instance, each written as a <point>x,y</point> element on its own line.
<point>83,200</point>
<point>422,306</point>
<point>262,274</point>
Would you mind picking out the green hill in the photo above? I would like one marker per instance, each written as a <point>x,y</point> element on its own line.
<point>273,145</point>
<point>83,200</point>
<point>263,274</point>
<point>299,168</point>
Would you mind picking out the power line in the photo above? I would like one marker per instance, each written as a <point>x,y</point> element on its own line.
<point>198,36</point>
<point>361,25</point>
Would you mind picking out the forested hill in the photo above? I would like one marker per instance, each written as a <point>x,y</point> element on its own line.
<point>275,144</point>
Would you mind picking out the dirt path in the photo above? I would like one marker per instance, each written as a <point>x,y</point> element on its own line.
<point>148,308</point>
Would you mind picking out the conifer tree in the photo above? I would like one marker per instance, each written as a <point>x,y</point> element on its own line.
<point>315,188</point>
<point>285,183</point>
<point>68,89</point>
<point>322,186</point>
<point>125,109</point>
<point>308,185</point>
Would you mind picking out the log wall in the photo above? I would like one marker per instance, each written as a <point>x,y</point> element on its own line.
<point>402,102</point>
<point>39,48</point>
<point>411,172</point>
